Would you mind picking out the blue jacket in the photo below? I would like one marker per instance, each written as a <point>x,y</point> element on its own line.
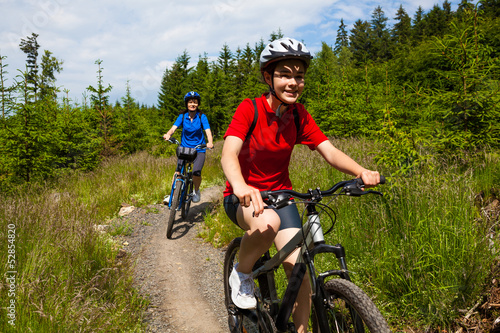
<point>192,131</point>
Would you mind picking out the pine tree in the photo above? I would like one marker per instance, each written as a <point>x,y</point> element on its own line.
<point>259,47</point>
<point>50,65</point>
<point>491,8</point>
<point>226,66</point>
<point>30,47</point>
<point>468,108</point>
<point>225,61</point>
<point>5,92</point>
<point>342,39</point>
<point>173,87</point>
<point>28,140</point>
<point>379,36</point>
<point>418,26</point>
<point>436,20</point>
<point>276,35</point>
<point>226,97</point>
<point>360,42</point>
<point>131,128</point>
<point>252,86</point>
<point>401,31</point>
<point>103,112</point>
<point>198,78</point>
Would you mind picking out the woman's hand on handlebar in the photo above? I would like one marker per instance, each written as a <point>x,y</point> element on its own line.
<point>370,178</point>
<point>210,145</point>
<point>166,136</point>
<point>249,195</point>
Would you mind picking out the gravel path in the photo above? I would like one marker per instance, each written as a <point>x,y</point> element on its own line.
<point>182,276</point>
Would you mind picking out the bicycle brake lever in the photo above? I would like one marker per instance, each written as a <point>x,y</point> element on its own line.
<point>353,189</point>
<point>357,192</point>
<point>374,192</point>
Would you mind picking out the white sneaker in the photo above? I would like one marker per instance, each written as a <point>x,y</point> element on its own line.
<point>242,286</point>
<point>196,196</point>
<point>166,199</point>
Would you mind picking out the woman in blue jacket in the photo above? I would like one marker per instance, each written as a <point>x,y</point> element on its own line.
<point>193,123</point>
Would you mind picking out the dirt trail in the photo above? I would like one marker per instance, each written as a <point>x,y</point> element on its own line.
<point>182,276</point>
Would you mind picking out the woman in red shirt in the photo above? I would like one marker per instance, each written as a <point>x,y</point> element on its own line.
<point>260,162</point>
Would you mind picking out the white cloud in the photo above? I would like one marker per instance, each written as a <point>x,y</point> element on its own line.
<point>137,40</point>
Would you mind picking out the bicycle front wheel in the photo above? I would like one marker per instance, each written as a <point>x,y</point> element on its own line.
<point>187,199</point>
<point>349,309</point>
<point>176,196</point>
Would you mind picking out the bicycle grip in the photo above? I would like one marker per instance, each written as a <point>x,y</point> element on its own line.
<point>382,180</point>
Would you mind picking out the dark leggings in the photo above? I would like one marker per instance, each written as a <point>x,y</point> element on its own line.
<point>197,164</point>
<point>289,215</point>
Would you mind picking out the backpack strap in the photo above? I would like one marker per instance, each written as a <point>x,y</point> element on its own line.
<point>254,122</point>
<point>201,122</point>
<point>296,119</point>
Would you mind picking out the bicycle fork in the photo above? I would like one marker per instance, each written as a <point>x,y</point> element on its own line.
<point>319,298</point>
<point>178,181</point>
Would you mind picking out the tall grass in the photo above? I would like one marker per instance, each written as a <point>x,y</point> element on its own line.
<point>67,276</point>
<point>422,251</point>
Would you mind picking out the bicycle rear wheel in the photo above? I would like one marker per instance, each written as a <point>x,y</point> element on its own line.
<point>176,196</point>
<point>349,309</point>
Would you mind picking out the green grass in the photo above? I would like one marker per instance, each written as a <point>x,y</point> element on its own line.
<point>68,277</point>
<point>422,251</point>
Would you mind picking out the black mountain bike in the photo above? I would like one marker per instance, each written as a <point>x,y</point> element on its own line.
<point>181,194</point>
<point>338,305</point>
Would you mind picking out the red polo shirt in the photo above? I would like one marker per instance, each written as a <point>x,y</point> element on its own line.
<point>265,156</point>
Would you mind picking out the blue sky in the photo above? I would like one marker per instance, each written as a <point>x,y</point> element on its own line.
<point>138,40</point>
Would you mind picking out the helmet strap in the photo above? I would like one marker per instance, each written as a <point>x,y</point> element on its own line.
<point>273,92</point>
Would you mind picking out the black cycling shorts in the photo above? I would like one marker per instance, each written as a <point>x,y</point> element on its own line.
<point>289,215</point>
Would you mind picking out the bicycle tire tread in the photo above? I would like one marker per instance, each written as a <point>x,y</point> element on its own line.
<point>363,305</point>
<point>175,202</point>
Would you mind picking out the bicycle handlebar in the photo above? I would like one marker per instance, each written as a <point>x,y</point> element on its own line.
<point>281,198</point>
<point>174,140</point>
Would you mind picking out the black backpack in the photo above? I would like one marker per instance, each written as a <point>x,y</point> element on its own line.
<point>256,116</point>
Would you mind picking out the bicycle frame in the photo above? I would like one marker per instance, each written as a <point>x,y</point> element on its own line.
<point>184,176</point>
<point>312,245</point>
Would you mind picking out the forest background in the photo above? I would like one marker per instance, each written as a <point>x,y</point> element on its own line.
<point>430,80</point>
<point>425,89</point>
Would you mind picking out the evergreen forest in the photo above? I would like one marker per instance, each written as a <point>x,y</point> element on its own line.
<point>429,80</point>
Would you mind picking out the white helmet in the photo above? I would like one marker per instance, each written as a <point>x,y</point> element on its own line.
<point>284,48</point>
